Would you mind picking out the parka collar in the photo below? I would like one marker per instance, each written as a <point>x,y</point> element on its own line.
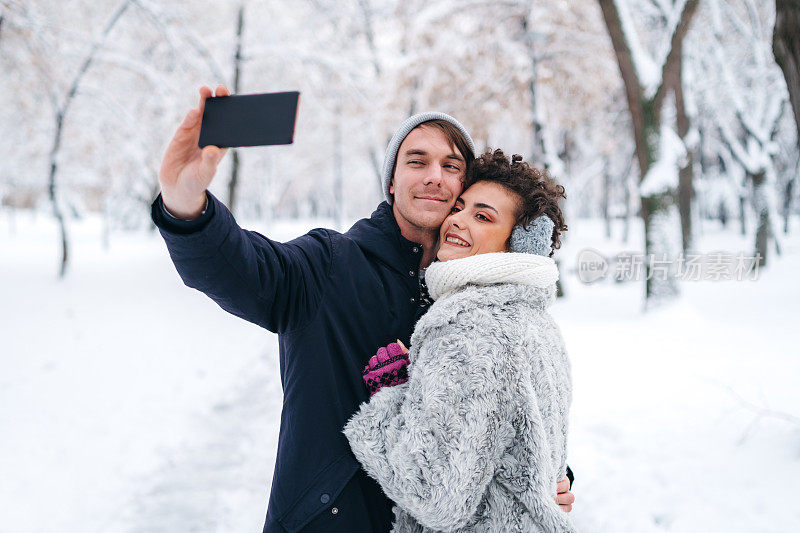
<point>379,236</point>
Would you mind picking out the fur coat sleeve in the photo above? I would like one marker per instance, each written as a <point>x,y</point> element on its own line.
<point>434,443</point>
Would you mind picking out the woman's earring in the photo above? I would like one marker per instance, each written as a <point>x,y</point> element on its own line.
<point>537,239</point>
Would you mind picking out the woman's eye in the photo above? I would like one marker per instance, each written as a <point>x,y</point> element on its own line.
<point>483,217</point>
<point>455,210</point>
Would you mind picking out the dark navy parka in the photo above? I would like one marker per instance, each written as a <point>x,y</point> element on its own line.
<point>333,299</point>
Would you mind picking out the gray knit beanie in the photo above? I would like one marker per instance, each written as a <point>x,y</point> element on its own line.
<point>400,135</point>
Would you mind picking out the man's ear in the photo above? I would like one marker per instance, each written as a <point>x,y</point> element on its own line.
<point>391,187</point>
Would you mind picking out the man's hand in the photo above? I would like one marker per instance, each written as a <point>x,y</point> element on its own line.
<point>186,170</point>
<point>564,497</point>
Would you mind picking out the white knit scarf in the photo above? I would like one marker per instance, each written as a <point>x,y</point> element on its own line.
<point>444,277</point>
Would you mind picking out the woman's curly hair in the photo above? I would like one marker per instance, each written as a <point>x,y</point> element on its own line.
<point>539,191</point>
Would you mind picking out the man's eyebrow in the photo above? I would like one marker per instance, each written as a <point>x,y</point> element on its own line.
<point>419,151</point>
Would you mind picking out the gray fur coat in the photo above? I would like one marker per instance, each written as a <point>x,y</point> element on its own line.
<point>476,439</point>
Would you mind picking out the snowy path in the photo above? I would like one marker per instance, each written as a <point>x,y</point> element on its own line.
<point>127,401</point>
<point>220,479</point>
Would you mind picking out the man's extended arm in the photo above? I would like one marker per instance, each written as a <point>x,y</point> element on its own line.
<point>275,285</point>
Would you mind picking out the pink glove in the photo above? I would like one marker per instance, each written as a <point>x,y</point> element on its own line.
<point>386,368</point>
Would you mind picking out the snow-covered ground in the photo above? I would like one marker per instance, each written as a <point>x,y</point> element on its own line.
<point>129,402</point>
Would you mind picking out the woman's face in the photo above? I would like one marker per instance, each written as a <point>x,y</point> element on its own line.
<point>480,222</point>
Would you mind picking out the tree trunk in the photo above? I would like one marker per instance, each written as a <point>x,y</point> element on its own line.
<point>658,215</point>
<point>686,173</point>
<point>234,181</point>
<point>628,183</point>
<point>685,197</point>
<point>566,153</point>
<point>786,49</point>
<point>742,221</point>
<point>53,195</point>
<point>607,197</point>
<point>626,230</point>
<point>787,204</point>
<point>559,283</point>
<point>375,159</point>
<point>701,164</point>
<point>366,10</point>
<point>237,68</point>
<point>338,172</point>
<point>761,209</point>
<point>537,137</point>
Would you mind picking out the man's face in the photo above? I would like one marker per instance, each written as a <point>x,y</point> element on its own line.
<point>428,177</point>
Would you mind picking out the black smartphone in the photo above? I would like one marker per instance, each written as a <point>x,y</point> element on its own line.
<point>249,120</point>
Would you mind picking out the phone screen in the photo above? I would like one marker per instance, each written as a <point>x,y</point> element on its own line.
<point>249,120</point>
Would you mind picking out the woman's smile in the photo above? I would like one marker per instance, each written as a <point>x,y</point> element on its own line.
<point>455,240</point>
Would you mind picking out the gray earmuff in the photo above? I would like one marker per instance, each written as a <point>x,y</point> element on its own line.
<point>537,239</point>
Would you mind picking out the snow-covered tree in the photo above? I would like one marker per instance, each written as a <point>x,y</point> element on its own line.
<point>748,99</point>
<point>786,48</point>
<point>658,148</point>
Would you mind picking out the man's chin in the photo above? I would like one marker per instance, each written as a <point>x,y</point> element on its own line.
<point>425,214</point>
<point>431,219</point>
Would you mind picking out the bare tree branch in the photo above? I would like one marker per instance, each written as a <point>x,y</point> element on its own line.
<point>761,411</point>
<point>740,25</point>
<point>659,7</point>
<point>633,88</point>
<point>674,55</point>
<point>366,11</point>
<point>776,123</point>
<point>735,150</point>
<point>158,20</point>
<point>61,113</point>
